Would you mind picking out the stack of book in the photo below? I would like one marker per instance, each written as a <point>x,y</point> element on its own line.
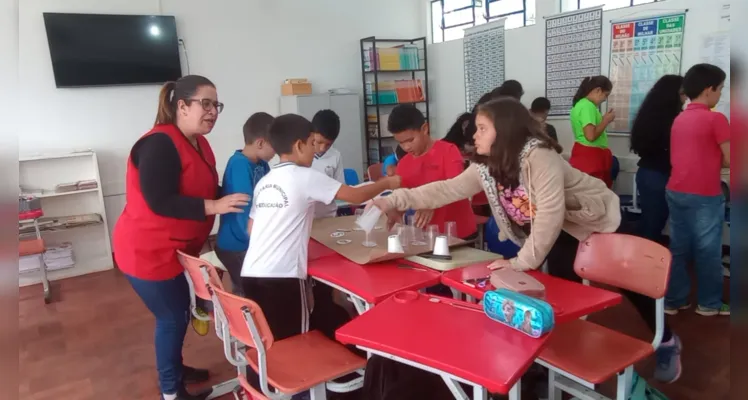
<point>29,263</point>
<point>59,257</point>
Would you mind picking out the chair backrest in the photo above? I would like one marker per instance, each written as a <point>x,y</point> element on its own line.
<point>239,321</point>
<point>375,172</point>
<point>351,177</point>
<point>192,265</point>
<point>625,261</point>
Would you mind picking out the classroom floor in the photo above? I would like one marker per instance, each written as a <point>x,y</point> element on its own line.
<point>81,348</point>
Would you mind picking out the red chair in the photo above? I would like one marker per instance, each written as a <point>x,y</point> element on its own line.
<point>375,172</point>
<point>293,365</point>
<point>582,354</point>
<point>198,272</point>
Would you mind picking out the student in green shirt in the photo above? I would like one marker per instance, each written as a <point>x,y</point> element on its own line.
<point>590,153</point>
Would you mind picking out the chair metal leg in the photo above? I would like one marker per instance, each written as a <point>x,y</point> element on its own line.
<point>515,393</point>
<point>554,393</point>
<point>223,389</point>
<point>318,392</point>
<point>624,380</point>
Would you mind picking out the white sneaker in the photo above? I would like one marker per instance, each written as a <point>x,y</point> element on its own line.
<point>674,311</point>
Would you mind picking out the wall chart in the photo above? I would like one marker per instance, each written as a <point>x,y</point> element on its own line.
<point>642,51</point>
<point>573,50</point>
<point>483,50</point>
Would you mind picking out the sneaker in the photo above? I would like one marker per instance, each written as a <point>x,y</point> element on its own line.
<point>724,309</point>
<point>668,361</point>
<point>201,327</point>
<point>674,310</point>
<point>194,375</point>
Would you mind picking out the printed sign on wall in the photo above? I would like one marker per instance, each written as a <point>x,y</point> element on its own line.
<point>484,60</point>
<point>642,51</point>
<point>573,51</point>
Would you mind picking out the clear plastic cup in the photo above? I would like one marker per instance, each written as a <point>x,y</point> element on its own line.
<point>432,231</point>
<point>368,220</point>
<point>450,229</point>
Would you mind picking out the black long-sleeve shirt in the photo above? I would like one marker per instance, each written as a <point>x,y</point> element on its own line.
<point>159,171</point>
<point>657,158</point>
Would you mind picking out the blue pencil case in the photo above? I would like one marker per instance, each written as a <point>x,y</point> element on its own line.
<point>523,313</point>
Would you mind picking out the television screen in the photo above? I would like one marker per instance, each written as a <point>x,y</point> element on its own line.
<point>104,50</point>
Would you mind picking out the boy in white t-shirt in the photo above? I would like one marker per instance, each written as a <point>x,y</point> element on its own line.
<point>325,129</point>
<point>275,269</point>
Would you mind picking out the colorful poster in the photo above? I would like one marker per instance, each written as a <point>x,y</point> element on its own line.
<point>642,51</point>
<point>573,50</point>
<point>483,51</point>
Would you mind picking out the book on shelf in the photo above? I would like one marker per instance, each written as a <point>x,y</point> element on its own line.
<point>59,256</point>
<point>396,91</point>
<point>399,58</point>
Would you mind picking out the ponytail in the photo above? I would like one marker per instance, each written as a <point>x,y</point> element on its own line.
<point>183,89</point>
<point>591,83</point>
<point>583,91</point>
<point>166,109</point>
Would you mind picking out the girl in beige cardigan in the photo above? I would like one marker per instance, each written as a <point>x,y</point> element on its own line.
<point>539,201</point>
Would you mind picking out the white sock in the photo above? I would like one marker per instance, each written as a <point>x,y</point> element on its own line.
<point>169,396</point>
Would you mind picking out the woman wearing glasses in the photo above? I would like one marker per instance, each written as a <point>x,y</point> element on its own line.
<point>172,187</point>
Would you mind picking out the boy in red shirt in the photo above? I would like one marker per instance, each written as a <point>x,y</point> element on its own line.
<point>699,149</point>
<point>428,160</point>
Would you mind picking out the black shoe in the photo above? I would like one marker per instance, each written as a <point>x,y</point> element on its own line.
<point>183,394</point>
<point>194,375</point>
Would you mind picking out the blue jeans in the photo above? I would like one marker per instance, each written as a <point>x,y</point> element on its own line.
<point>696,235</point>
<point>650,184</point>
<point>169,302</point>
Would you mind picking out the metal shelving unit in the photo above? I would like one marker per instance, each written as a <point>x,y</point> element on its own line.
<point>378,145</point>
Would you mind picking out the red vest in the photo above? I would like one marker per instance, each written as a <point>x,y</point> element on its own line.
<point>145,243</point>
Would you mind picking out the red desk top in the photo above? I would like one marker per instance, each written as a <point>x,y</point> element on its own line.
<point>451,335</point>
<point>318,250</point>
<point>371,282</point>
<point>570,300</point>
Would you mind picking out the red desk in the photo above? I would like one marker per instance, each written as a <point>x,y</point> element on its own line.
<point>451,338</point>
<point>370,284</point>
<point>570,300</point>
<point>318,250</point>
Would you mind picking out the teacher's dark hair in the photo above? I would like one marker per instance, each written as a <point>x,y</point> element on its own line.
<point>172,92</point>
<point>514,127</point>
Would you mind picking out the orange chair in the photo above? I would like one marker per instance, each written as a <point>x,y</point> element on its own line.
<point>198,273</point>
<point>293,365</point>
<point>582,354</point>
<point>375,172</point>
<point>36,246</point>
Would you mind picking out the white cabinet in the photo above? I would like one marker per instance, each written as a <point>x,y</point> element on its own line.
<point>350,142</point>
<point>71,215</point>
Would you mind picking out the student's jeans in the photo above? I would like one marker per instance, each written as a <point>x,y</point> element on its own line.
<point>233,261</point>
<point>696,235</point>
<point>651,183</point>
<point>169,302</point>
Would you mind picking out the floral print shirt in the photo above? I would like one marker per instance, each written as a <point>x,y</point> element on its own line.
<point>516,204</point>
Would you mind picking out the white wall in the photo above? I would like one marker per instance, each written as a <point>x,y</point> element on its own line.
<point>525,62</point>
<point>247,47</point>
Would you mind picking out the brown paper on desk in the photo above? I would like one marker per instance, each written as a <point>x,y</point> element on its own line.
<point>323,228</point>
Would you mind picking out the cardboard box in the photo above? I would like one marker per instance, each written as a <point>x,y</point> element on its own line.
<point>296,86</point>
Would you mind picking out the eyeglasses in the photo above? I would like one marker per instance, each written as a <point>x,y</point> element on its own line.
<point>207,104</point>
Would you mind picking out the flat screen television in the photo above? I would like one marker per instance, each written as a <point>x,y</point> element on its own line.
<point>106,50</point>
